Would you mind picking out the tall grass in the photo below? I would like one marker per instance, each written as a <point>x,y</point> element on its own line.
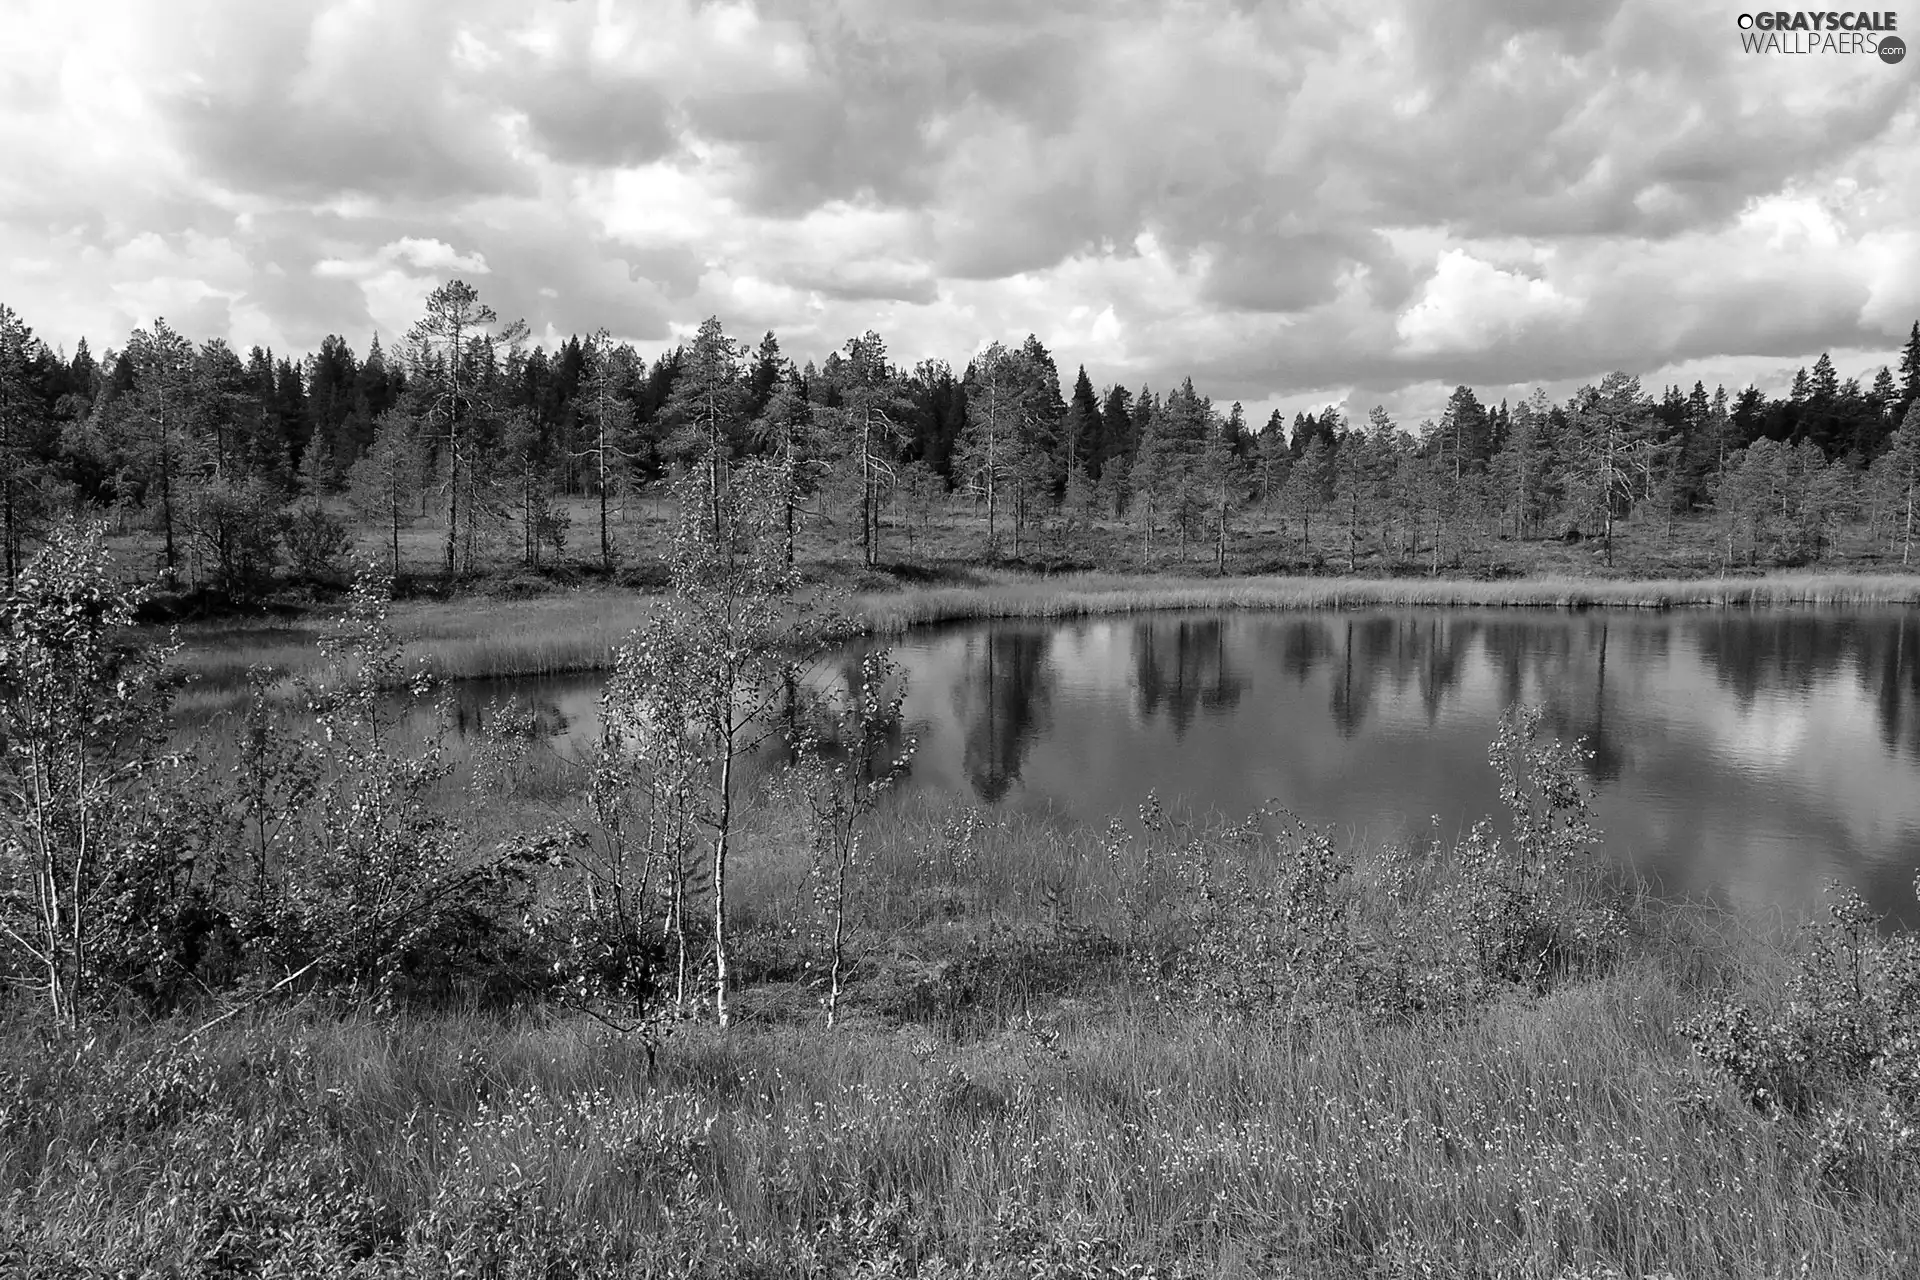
<point>1010,1093</point>
<point>1087,594</point>
<point>577,631</point>
<point>1569,1136</point>
<point>455,640</point>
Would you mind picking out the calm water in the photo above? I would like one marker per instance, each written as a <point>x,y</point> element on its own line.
<point>1747,755</point>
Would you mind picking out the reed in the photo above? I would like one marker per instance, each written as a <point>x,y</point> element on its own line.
<point>456,640</point>
<point>1083,595</point>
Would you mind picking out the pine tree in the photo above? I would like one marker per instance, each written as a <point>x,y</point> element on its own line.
<point>606,373</point>
<point>22,422</point>
<point>1611,421</point>
<point>795,444</point>
<point>1116,429</point>
<point>1901,462</point>
<point>872,417</point>
<point>765,375</point>
<point>987,456</point>
<point>445,342</point>
<point>385,481</point>
<point>1222,477</point>
<point>157,422</point>
<point>1082,429</point>
<point>706,410</point>
<point>1909,374</point>
<point>1271,457</point>
<point>1307,483</point>
<point>1522,463</point>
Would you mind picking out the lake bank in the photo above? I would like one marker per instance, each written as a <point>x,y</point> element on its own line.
<point>576,630</point>
<point>1096,594</point>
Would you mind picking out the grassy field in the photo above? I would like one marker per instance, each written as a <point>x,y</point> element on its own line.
<point>1077,595</point>
<point>1014,1092</point>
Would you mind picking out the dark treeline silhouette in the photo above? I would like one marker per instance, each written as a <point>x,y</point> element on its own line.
<point>235,460</point>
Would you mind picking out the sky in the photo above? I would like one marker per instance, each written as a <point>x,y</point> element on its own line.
<point>1295,204</point>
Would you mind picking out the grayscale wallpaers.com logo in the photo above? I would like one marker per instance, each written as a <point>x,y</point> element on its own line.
<point>1798,32</point>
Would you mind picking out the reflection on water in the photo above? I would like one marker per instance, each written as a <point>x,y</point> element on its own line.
<point>1749,755</point>
<point>1740,754</point>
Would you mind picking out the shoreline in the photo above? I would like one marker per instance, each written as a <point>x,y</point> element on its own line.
<point>574,632</point>
<point>894,613</point>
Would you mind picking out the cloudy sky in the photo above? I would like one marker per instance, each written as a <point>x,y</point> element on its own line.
<point>1293,203</point>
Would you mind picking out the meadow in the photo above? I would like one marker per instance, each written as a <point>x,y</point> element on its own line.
<point>1027,1082</point>
<point>1164,1047</point>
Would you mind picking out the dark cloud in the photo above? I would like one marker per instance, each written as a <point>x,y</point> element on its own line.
<point>314,106</point>
<point>579,117</point>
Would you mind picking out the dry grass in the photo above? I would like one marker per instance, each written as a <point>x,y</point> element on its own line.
<point>576,630</point>
<point>1085,594</point>
<point>459,639</point>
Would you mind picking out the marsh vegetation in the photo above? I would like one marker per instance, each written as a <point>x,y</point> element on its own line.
<point>331,1000</point>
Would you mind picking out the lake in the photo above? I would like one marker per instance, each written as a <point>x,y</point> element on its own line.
<point>1744,755</point>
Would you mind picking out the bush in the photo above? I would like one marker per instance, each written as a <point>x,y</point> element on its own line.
<point>236,528</point>
<point>317,542</point>
<point>1849,1028</point>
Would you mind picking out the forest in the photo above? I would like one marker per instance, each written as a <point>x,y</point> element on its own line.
<point>239,471</point>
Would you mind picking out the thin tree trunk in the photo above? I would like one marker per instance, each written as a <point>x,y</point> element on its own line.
<point>720,975</point>
<point>1906,551</point>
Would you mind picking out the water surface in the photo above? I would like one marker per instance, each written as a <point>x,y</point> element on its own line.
<point>1746,755</point>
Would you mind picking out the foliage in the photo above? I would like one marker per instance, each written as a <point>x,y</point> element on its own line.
<point>101,855</point>
<point>379,889</point>
<point>317,541</point>
<point>703,679</point>
<point>850,747</point>
<point>1849,1024</point>
<point>1280,924</point>
<point>237,530</point>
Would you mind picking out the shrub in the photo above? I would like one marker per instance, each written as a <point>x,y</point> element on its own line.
<point>377,886</point>
<point>1849,1028</point>
<point>317,542</point>
<point>236,528</point>
<point>100,837</point>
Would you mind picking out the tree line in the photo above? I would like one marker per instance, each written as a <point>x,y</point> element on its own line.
<point>242,464</point>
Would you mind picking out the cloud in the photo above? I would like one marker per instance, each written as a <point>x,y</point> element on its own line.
<point>1286,202</point>
<point>1472,305</point>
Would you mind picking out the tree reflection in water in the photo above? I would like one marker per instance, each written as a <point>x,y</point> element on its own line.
<point>1002,699</point>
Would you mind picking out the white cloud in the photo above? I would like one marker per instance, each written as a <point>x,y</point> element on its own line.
<point>1275,200</point>
<point>1470,305</point>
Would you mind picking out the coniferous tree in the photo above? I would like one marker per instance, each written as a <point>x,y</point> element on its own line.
<point>23,471</point>
<point>385,481</point>
<point>445,342</point>
<point>1901,467</point>
<point>872,414</point>
<point>1081,430</point>
<point>1909,375</point>
<point>1116,429</point>
<point>987,456</point>
<point>1613,441</point>
<point>797,444</point>
<point>156,418</point>
<point>706,409</point>
<point>606,373</point>
<point>1271,457</point>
